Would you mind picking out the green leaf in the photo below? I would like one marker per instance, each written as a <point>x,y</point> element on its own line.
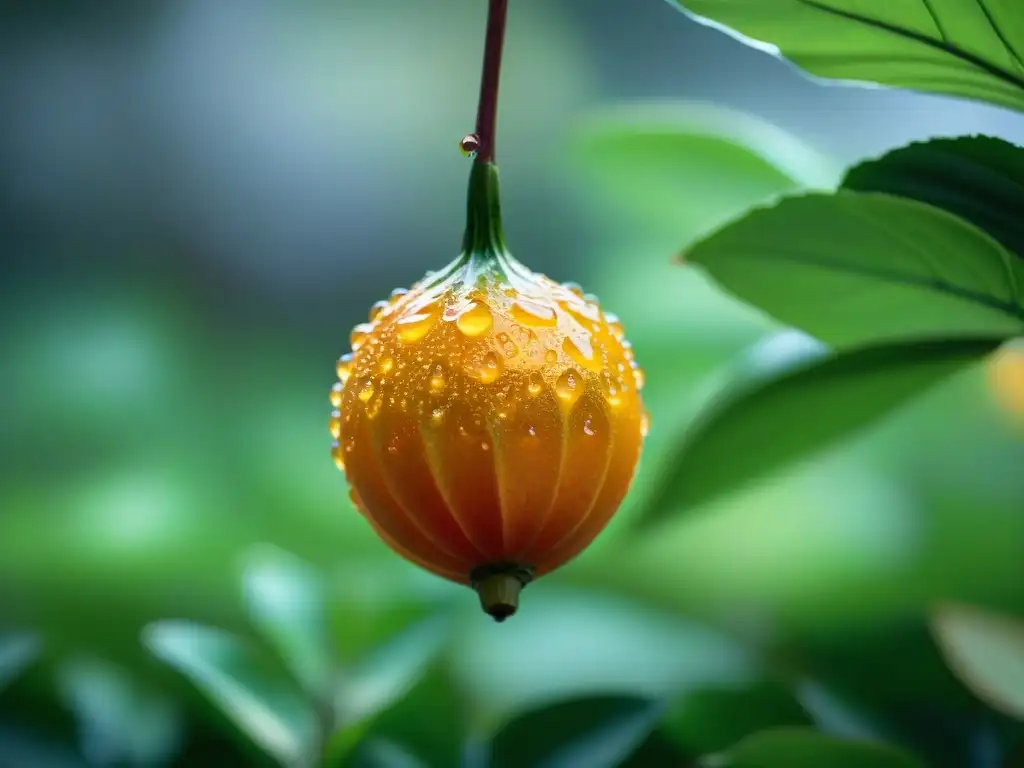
<point>430,723</point>
<point>986,652</point>
<point>17,652</point>
<point>598,732</point>
<point>267,709</point>
<point>119,722</point>
<point>750,431</point>
<point>978,178</point>
<point>852,268</point>
<point>384,678</point>
<point>688,167</point>
<point>805,748</point>
<point>712,719</point>
<point>966,48</point>
<point>285,598</point>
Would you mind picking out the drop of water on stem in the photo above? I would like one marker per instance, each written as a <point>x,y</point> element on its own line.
<point>469,145</point>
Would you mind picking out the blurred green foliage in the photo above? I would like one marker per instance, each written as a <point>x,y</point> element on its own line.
<point>183,581</point>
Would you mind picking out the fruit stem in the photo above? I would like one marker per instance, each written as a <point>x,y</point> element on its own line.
<point>487,109</point>
<point>498,587</point>
<point>484,238</point>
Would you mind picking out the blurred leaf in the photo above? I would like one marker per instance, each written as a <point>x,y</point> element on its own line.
<point>17,652</point>
<point>598,732</point>
<point>806,748</point>
<point>966,48</point>
<point>119,722</point>
<point>852,268</point>
<point>986,651</point>
<point>429,724</point>
<point>384,678</point>
<point>286,599</point>
<point>712,719</point>
<point>20,749</point>
<point>751,432</point>
<point>979,178</point>
<point>268,710</point>
<point>690,166</point>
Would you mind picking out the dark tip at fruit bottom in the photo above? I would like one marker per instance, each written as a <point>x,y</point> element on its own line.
<point>499,588</point>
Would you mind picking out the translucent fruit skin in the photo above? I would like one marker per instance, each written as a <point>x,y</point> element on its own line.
<point>488,416</point>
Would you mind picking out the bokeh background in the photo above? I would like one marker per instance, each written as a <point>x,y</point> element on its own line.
<point>197,202</point>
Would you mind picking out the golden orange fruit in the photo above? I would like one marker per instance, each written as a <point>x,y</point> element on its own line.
<point>489,420</point>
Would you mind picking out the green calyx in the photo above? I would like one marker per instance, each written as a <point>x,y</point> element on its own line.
<point>484,241</point>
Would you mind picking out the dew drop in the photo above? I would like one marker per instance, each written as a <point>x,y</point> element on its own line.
<point>485,446</point>
<point>611,393</point>
<point>645,424</point>
<point>639,377</point>
<point>437,381</point>
<point>397,294</point>
<point>591,298</point>
<point>374,408</point>
<point>386,366</point>
<point>344,367</point>
<point>437,416</point>
<point>574,288</point>
<point>569,386</point>
<point>532,430</point>
<point>507,345</point>
<point>377,308</point>
<point>336,394</point>
<point>469,145</point>
<point>475,321</point>
<point>335,423</point>
<point>359,334</point>
<point>338,456</point>
<point>582,352</point>
<point>551,357</point>
<point>366,391</point>
<point>588,430</point>
<point>533,314</point>
<point>413,328</point>
<point>490,368</point>
<point>535,384</point>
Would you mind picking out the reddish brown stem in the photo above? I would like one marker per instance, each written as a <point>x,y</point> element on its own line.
<point>487,111</point>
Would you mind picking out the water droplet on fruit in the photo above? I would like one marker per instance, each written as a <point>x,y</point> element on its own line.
<point>336,394</point>
<point>532,313</point>
<point>611,393</point>
<point>344,367</point>
<point>569,386</point>
<point>469,145</point>
<point>535,384</point>
<point>437,381</point>
<point>508,347</point>
<point>366,391</point>
<point>334,425</point>
<point>397,294</point>
<point>437,416</point>
<point>377,308</point>
<point>338,456</point>
<point>645,424</point>
<point>574,288</point>
<point>359,334</point>
<point>475,321</point>
<point>639,377</point>
<point>551,357</point>
<point>588,430</point>
<point>413,328</point>
<point>490,368</point>
<point>386,366</point>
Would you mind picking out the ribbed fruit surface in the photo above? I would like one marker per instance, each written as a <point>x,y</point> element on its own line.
<point>489,415</point>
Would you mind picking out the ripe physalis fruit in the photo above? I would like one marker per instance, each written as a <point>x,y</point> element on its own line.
<point>488,420</point>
